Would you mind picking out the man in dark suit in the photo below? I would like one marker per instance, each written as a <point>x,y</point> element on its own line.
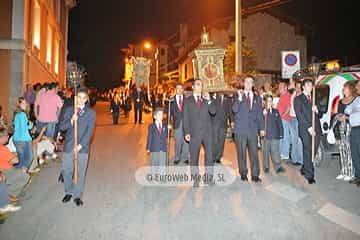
<point>220,124</point>
<point>249,122</point>
<point>198,110</point>
<point>138,98</point>
<point>176,112</point>
<point>303,109</point>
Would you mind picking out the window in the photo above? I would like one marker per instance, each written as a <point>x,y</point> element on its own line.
<point>49,45</point>
<point>322,97</point>
<point>56,56</point>
<point>37,17</point>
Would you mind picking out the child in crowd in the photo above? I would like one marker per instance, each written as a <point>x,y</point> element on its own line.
<point>156,142</point>
<point>274,132</point>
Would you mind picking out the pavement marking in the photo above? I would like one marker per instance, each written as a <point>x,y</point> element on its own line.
<point>341,217</point>
<point>286,191</point>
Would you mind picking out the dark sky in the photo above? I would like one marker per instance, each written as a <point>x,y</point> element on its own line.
<point>99,29</point>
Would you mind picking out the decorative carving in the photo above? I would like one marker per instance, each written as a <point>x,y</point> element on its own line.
<point>208,65</point>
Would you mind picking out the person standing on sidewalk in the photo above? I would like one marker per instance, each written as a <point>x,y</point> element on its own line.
<point>342,130</point>
<point>353,110</point>
<point>47,109</point>
<point>22,139</point>
<point>283,107</point>
<point>296,152</point>
<point>86,124</point>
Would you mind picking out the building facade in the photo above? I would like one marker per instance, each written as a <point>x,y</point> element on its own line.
<point>264,33</point>
<point>33,45</point>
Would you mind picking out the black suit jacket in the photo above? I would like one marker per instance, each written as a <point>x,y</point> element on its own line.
<point>175,112</point>
<point>198,123</point>
<point>303,110</point>
<point>156,141</point>
<point>223,112</point>
<point>138,95</point>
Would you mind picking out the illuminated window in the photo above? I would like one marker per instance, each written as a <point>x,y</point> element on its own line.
<point>37,17</point>
<point>56,52</point>
<point>49,45</point>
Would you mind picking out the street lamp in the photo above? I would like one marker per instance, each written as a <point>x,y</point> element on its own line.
<point>147,45</point>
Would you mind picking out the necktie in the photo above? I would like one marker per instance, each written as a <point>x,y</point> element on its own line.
<point>309,98</point>
<point>160,128</point>
<point>198,103</point>
<point>248,100</point>
<point>180,103</point>
<point>80,111</point>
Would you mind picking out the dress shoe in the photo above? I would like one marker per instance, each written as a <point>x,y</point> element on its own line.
<point>66,198</point>
<point>256,179</point>
<point>218,161</point>
<point>176,162</point>
<point>244,178</point>
<point>302,172</point>
<point>280,170</point>
<point>78,202</point>
<point>186,162</point>
<point>311,181</point>
<point>266,170</point>
<point>355,181</point>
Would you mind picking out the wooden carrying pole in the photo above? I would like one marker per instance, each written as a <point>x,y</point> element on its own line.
<point>314,68</point>
<point>313,124</point>
<point>75,175</point>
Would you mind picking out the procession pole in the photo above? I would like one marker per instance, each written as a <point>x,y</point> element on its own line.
<point>75,177</point>
<point>315,67</point>
<point>313,124</point>
<point>168,134</point>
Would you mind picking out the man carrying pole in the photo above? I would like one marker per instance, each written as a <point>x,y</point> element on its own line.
<point>309,128</point>
<point>78,123</point>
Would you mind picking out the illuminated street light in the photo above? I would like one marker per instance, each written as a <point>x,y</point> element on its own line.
<point>147,45</point>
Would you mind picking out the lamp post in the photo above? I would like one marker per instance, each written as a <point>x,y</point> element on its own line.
<point>238,37</point>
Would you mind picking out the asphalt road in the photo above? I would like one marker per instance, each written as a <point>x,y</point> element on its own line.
<point>117,207</point>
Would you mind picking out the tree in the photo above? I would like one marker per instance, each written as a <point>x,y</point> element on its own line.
<point>249,61</point>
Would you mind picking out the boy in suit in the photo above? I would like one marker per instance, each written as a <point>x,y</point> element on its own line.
<point>274,131</point>
<point>85,117</point>
<point>303,109</point>
<point>156,142</point>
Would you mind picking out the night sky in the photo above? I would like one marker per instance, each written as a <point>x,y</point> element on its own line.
<point>99,29</point>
